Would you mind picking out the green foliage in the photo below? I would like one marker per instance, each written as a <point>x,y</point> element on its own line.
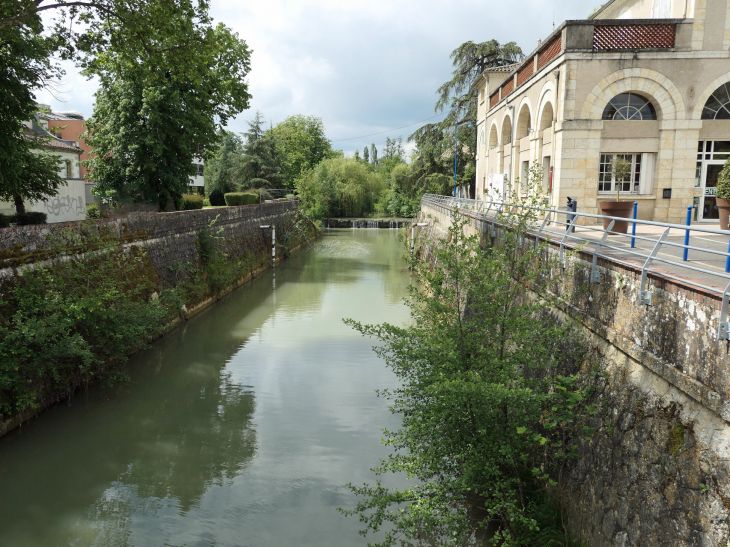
<point>93,211</point>
<point>488,417</point>
<point>241,198</point>
<point>339,187</point>
<point>723,182</point>
<point>675,443</point>
<point>4,221</point>
<point>301,144</point>
<point>192,201</point>
<point>29,218</point>
<point>61,325</point>
<point>206,202</point>
<point>25,66</point>
<point>260,162</point>
<point>217,198</point>
<point>161,100</point>
<point>223,169</point>
<point>366,155</point>
<point>621,171</point>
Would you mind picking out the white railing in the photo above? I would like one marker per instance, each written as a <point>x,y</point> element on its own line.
<point>646,243</point>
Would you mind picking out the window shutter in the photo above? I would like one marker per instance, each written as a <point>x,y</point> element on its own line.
<point>646,177</point>
<point>662,9</point>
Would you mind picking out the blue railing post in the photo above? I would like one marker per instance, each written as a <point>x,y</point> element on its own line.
<point>686,234</point>
<point>633,227</point>
<point>727,261</point>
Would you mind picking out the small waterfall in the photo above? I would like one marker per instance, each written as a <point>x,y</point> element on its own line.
<point>372,223</point>
<point>354,223</point>
<point>393,224</point>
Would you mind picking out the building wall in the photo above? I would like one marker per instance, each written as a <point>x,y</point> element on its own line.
<point>577,86</point>
<point>73,131</point>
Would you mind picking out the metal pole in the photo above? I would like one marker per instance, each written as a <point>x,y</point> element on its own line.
<point>633,228</point>
<point>727,261</point>
<point>686,234</point>
<point>273,245</point>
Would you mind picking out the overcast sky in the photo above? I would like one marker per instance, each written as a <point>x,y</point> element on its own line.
<point>362,66</point>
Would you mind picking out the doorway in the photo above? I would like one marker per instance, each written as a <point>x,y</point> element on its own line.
<point>708,211</point>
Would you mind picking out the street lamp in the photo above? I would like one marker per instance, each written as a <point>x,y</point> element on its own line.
<point>413,234</point>
<point>456,153</point>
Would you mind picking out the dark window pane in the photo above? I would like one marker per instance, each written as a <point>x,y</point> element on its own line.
<point>652,112</point>
<point>637,100</point>
<point>722,114</point>
<point>722,146</point>
<point>609,112</point>
<point>621,100</point>
<point>721,94</point>
<point>700,145</point>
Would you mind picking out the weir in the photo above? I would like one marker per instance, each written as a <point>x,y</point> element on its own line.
<point>658,470</point>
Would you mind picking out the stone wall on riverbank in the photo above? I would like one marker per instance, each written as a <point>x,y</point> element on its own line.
<point>657,472</point>
<point>367,222</point>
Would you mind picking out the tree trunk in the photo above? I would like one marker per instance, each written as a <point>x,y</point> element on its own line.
<point>19,205</point>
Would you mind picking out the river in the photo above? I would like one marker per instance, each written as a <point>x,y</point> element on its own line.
<point>239,428</point>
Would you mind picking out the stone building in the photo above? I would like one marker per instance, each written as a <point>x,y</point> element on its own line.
<point>646,80</point>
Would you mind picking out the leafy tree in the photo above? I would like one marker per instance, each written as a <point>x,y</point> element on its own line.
<point>339,187</point>
<point>357,155</point>
<point>151,119</point>
<point>488,414</point>
<point>366,155</point>
<point>259,161</point>
<point>25,65</point>
<point>374,154</point>
<point>301,144</point>
<point>223,169</point>
<point>458,97</point>
<point>393,148</point>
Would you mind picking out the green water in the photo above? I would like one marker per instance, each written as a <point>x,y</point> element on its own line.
<point>240,428</point>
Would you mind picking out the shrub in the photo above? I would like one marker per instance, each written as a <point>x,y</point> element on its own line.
<point>241,198</point>
<point>93,211</point>
<point>206,202</point>
<point>192,201</point>
<point>28,218</point>
<point>216,198</point>
<point>723,182</point>
<point>4,221</point>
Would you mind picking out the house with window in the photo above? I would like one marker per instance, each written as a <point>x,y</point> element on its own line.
<point>69,203</point>
<point>643,80</point>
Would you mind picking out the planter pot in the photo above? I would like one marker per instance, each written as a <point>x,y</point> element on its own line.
<point>617,209</point>
<point>723,206</point>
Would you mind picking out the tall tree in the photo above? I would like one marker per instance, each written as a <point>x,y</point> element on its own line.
<point>223,169</point>
<point>458,98</point>
<point>154,112</point>
<point>374,154</point>
<point>366,155</point>
<point>259,162</point>
<point>25,65</point>
<point>301,144</point>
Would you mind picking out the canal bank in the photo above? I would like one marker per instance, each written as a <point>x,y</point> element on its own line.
<point>239,428</point>
<point>389,223</point>
<point>78,298</point>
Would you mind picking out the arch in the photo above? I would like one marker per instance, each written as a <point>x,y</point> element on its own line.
<point>665,96</point>
<point>717,106</point>
<point>630,106</point>
<point>524,121</point>
<point>493,136</point>
<point>546,116</point>
<point>506,130</point>
<point>709,90</point>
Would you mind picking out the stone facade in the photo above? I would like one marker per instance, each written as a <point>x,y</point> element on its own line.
<point>556,117</point>
<point>658,470</point>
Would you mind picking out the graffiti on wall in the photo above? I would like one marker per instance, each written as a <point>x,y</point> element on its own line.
<point>65,205</point>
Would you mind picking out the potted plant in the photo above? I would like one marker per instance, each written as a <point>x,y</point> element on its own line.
<point>722,196</point>
<point>621,170</point>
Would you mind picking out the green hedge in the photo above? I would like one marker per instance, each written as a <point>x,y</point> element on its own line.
<point>5,221</point>
<point>192,201</point>
<point>93,211</point>
<point>27,218</point>
<point>241,198</point>
<point>216,198</point>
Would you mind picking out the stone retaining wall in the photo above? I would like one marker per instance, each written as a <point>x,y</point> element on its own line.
<point>657,471</point>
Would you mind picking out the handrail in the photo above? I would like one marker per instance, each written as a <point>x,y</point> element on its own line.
<point>548,224</point>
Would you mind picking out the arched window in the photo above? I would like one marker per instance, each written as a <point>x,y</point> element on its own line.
<point>717,106</point>
<point>629,106</point>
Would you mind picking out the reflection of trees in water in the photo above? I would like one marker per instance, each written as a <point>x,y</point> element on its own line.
<point>204,441</point>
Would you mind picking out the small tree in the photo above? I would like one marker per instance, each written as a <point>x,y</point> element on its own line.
<point>723,182</point>
<point>621,170</point>
<point>366,154</point>
<point>260,167</point>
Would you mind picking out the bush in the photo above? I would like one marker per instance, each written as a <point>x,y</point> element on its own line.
<point>192,201</point>
<point>216,198</point>
<point>723,182</point>
<point>241,198</point>
<point>206,202</point>
<point>28,218</point>
<point>5,221</point>
<point>93,211</point>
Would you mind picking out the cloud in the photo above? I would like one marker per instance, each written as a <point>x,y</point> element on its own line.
<point>363,67</point>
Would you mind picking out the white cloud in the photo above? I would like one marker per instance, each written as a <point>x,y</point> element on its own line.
<point>363,67</point>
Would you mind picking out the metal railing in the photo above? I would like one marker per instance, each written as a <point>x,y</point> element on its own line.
<point>559,225</point>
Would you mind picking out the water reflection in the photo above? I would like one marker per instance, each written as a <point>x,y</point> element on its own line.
<point>239,428</point>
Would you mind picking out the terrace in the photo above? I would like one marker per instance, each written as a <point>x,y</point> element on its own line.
<point>598,37</point>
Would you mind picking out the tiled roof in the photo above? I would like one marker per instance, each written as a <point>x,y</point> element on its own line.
<point>66,115</point>
<point>49,141</point>
<point>505,68</point>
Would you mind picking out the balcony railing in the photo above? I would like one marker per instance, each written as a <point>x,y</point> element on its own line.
<point>598,36</point>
